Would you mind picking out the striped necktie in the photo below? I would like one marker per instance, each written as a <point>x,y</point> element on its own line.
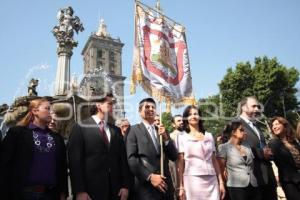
<point>152,132</point>
<point>103,133</point>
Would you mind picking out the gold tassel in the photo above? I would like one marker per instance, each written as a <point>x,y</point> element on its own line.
<point>168,106</point>
<point>132,85</point>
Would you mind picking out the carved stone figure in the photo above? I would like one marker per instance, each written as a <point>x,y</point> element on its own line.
<point>67,25</point>
<point>33,83</point>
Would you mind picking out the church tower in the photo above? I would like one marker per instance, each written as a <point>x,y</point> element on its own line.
<point>102,57</point>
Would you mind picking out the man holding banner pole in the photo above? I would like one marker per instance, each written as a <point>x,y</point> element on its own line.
<point>161,66</point>
<point>143,154</point>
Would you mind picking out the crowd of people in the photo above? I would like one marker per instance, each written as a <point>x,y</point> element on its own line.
<point>106,161</point>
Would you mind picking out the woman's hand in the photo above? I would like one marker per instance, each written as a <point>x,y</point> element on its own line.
<point>222,190</point>
<point>181,194</point>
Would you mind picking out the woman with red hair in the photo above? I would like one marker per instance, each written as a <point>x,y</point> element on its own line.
<point>33,158</point>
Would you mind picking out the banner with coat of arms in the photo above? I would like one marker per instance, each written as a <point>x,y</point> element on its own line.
<point>160,62</point>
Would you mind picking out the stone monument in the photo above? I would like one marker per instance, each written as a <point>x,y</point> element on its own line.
<point>64,33</point>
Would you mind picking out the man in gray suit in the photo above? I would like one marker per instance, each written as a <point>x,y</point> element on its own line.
<point>143,154</point>
<point>263,171</point>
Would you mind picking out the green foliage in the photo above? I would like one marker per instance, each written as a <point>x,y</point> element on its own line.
<point>211,110</point>
<point>167,121</point>
<point>271,82</point>
<point>235,85</point>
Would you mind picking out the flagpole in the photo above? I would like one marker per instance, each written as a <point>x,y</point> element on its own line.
<point>161,143</point>
<point>159,12</point>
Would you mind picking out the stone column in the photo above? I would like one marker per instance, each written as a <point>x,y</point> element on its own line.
<point>64,32</point>
<point>62,81</point>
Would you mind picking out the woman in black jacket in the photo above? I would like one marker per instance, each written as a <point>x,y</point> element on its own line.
<point>33,158</point>
<point>286,152</point>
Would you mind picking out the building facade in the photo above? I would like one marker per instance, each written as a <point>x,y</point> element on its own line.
<point>102,56</point>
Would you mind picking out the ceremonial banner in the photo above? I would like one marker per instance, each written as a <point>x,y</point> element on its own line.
<point>161,63</point>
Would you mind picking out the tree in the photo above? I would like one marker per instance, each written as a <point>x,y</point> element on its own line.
<point>212,114</point>
<point>166,119</point>
<point>234,86</point>
<point>271,82</point>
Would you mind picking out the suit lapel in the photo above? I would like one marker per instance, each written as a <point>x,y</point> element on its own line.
<point>261,135</point>
<point>248,127</point>
<point>112,131</point>
<point>146,134</point>
<point>94,129</point>
<point>248,154</point>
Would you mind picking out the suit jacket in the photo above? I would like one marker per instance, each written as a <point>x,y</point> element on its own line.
<point>284,161</point>
<point>0,139</point>
<point>239,170</point>
<point>144,160</point>
<point>16,156</point>
<point>96,168</point>
<point>262,168</point>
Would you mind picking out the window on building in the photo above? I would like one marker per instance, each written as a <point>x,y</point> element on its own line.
<point>100,53</point>
<point>112,56</point>
<point>112,68</point>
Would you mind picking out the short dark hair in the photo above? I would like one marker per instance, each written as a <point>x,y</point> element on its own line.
<point>231,126</point>
<point>102,99</point>
<point>149,100</point>
<point>185,116</point>
<point>173,118</point>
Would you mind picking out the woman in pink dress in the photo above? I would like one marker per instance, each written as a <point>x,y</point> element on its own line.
<point>198,170</point>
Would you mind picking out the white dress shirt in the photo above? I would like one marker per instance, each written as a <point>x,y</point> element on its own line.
<point>252,126</point>
<point>106,128</point>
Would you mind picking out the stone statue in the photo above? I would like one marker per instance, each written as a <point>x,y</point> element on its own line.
<point>74,84</point>
<point>67,25</point>
<point>33,83</point>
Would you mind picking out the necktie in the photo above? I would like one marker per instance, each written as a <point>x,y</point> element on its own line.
<point>153,137</point>
<point>255,129</point>
<point>260,138</point>
<point>103,133</point>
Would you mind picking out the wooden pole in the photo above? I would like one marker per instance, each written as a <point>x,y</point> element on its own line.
<point>161,143</point>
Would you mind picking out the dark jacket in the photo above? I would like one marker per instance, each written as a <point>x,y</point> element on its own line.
<point>16,156</point>
<point>96,168</point>
<point>284,161</point>
<point>262,168</point>
<point>144,160</point>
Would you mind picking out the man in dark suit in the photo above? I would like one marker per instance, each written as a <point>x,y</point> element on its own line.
<point>249,110</point>
<point>0,139</point>
<point>97,157</point>
<point>143,154</point>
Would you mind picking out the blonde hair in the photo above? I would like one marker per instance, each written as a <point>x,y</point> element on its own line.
<point>25,121</point>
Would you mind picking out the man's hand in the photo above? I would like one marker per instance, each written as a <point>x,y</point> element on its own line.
<point>123,194</point>
<point>267,153</point>
<point>82,196</point>
<point>63,196</point>
<point>163,133</point>
<point>158,181</point>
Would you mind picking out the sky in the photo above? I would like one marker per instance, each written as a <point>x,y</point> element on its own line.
<point>219,35</point>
